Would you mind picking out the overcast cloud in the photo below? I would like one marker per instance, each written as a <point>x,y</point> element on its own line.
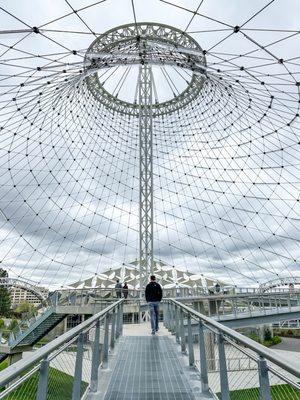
<point>226,169</point>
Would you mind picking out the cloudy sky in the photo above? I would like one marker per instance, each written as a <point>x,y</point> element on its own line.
<point>226,167</point>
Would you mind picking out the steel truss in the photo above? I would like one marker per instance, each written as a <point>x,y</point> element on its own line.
<point>146,173</point>
<point>166,45</point>
<point>145,44</point>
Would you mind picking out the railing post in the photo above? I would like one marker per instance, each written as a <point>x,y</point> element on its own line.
<point>249,307</point>
<point>167,315</point>
<point>117,334</point>
<point>264,384</point>
<point>172,322</point>
<point>121,320</point>
<point>270,301</point>
<point>95,359</point>
<point>203,364</point>
<point>112,333</point>
<point>223,306</point>
<point>190,341</point>
<point>43,381</point>
<point>182,333</point>
<point>76,395</point>
<point>106,334</point>
<point>234,307</point>
<point>177,324</point>
<point>209,309</point>
<point>217,309</point>
<point>223,369</point>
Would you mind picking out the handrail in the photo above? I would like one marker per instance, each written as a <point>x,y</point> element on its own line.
<point>288,280</point>
<point>219,296</point>
<point>280,360</point>
<point>20,366</point>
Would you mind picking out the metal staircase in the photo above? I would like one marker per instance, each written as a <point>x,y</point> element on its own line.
<point>37,328</point>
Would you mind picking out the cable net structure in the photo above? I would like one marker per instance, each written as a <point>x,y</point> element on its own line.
<point>225,138</point>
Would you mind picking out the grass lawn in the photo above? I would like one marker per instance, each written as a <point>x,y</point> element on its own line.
<point>278,392</point>
<point>59,387</point>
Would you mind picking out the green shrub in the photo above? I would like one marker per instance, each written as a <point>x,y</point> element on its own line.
<point>276,339</point>
<point>272,341</point>
<point>269,342</point>
<point>255,337</point>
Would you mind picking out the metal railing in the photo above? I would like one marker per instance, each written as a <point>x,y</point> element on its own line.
<point>219,305</point>
<point>68,366</point>
<point>261,373</point>
<point>93,295</point>
<point>245,305</point>
<point>290,281</point>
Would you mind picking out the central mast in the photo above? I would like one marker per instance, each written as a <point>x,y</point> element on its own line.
<point>139,47</point>
<point>145,86</point>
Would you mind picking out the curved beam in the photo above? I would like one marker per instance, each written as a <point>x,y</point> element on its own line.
<point>19,283</point>
<point>279,282</point>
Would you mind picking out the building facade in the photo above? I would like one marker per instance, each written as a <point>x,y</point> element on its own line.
<point>19,296</point>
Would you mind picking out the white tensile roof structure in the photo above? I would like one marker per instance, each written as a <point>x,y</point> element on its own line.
<point>168,276</point>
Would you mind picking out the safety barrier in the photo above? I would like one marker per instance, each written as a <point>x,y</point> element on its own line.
<point>68,366</point>
<point>261,372</point>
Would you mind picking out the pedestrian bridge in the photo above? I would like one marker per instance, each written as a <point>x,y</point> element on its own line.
<point>235,310</point>
<point>103,359</point>
<point>149,367</point>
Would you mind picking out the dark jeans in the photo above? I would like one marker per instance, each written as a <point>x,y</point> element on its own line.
<point>154,313</point>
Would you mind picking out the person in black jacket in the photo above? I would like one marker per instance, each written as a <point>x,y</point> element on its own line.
<point>118,288</point>
<point>153,294</point>
<point>125,290</point>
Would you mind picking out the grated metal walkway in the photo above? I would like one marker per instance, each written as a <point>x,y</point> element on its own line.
<point>148,368</point>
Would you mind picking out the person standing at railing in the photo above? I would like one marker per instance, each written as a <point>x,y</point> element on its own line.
<point>118,288</point>
<point>125,290</point>
<point>153,295</point>
<point>217,287</point>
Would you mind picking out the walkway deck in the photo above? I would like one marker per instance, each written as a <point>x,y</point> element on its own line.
<point>149,368</point>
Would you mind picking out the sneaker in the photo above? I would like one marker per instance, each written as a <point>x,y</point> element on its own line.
<point>153,333</point>
<point>156,330</point>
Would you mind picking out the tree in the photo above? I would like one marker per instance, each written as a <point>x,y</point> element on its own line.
<point>25,309</point>
<point>13,324</point>
<point>4,296</point>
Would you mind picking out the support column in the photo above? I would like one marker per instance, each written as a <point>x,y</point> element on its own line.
<point>203,363</point>
<point>182,332</point>
<point>209,338</point>
<point>146,173</point>
<point>76,395</point>
<point>190,341</point>
<point>43,380</point>
<point>225,395</point>
<point>95,360</point>
<point>264,384</point>
<point>106,338</point>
